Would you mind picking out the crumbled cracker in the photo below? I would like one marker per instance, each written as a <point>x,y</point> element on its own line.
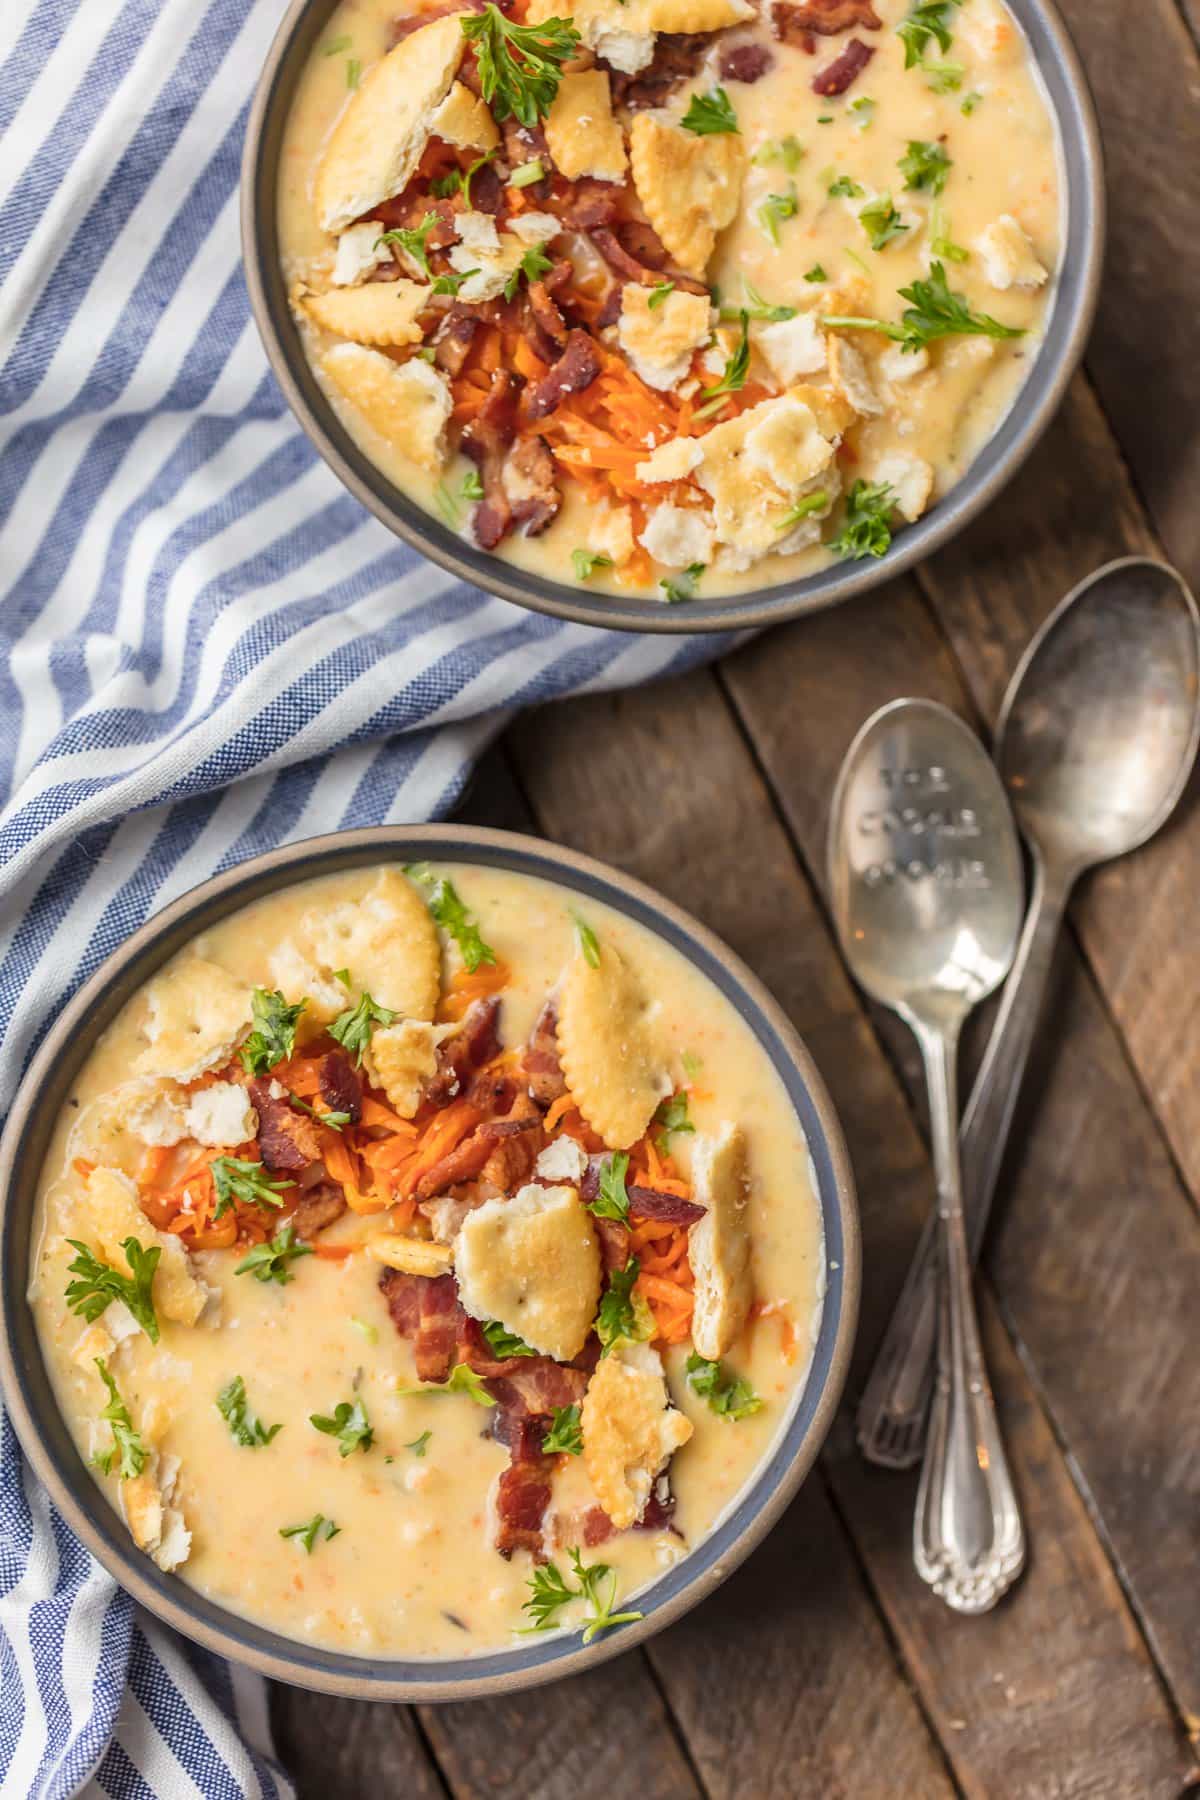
<point>155,1523</point>
<point>533,1264</point>
<point>582,135</point>
<point>493,269</point>
<point>909,477</point>
<point>630,1430</point>
<point>719,1243</point>
<point>463,121</point>
<point>672,461</point>
<point>677,536</point>
<point>848,374</point>
<point>386,940</point>
<point>792,347</point>
<point>359,253</point>
<point>197,1014</point>
<point>221,1116</point>
<point>400,1059</point>
<point>623,34</point>
<point>297,979</point>
<point>610,531</point>
<point>609,1056</point>
<point>112,1214</point>
<point>689,185</point>
<point>1009,259</point>
<point>756,466</point>
<point>156,1113</point>
<point>408,404</point>
<point>376,145</point>
<point>659,340</point>
<point>564,1160</point>
<point>379,312</point>
<point>413,1256</point>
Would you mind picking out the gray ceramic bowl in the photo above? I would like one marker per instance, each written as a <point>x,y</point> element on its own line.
<point>30,1398</point>
<point>1074,305</point>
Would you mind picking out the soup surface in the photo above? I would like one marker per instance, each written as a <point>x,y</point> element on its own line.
<point>672,297</point>
<point>424,1257</point>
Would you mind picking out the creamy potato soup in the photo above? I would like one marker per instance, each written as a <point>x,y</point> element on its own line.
<point>426,1256</point>
<point>672,297</point>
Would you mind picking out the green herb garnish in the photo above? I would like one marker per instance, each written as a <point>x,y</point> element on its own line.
<point>786,151</point>
<point>805,507</point>
<point>816,273</point>
<point>612,1200</point>
<point>710,115</point>
<point>245,1427</point>
<point>128,1451</point>
<point>757,307</point>
<point>624,1317</point>
<point>940,243</point>
<point>318,1527</point>
<point>945,77</point>
<point>928,19</point>
<point>269,1262</point>
<point>336,45</point>
<point>729,1395</point>
<point>273,1038</point>
<point>589,943</point>
<point>412,240</point>
<point>450,913</point>
<point>528,173</point>
<point>535,262</point>
<point>349,1425</point>
<point>504,1343</point>
<point>451,281</point>
<point>736,369</point>
<point>680,588</point>
<point>658,294</point>
<point>98,1284</point>
<point>472,487</point>
<point>565,1436</point>
<point>881,221</point>
<point>353,1028</point>
<point>924,165</point>
<point>673,1119</point>
<point>845,189</point>
<point>867,529</point>
<point>969,104</point>
<point>453,180</point>
<point>420,1444</point>
<point>864,111</point>
<point>353,72</point>
<point>933,312</point>
<point>236,1179</point>
<point>775,209</point>
<point>462,1379</point>
<point>520,66</point>
<point>335,1120</point>
<point>586,562</point>
<point>549,1592</point>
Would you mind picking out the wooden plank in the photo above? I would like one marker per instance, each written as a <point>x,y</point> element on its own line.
<point>1144,72</point>
<point>336,1747</point>
<point>588,1738</point>
<point>990,592</point>
<point>661,783</point>
<point>1096,1254</point>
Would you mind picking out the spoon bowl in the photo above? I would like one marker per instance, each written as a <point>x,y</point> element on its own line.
<point>1099,729</point>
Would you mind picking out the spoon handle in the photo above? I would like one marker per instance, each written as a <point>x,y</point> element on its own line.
<point>968,1539</point>
<point>895,1401</point>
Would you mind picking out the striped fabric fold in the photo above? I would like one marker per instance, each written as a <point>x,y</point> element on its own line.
<point>207,649</point>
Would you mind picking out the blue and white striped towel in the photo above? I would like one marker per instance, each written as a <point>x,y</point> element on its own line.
<point>207,649</point>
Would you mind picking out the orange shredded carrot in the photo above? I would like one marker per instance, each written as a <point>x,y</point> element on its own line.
<point>559,1109</point>
<point>375,1113</point>
<point>83,1167</point>
<point>302,1075</point>
<point>339,1159</point>
<point>465,988</point>
<point>365,1204</point>
<point>334,1252</point>
<point>154,1161</point>
<point>444,1132</point>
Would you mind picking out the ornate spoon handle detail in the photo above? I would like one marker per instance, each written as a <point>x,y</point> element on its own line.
<point>968,1538</point>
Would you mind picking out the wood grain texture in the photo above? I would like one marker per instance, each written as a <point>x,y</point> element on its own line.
<point>345,1747</point>
<point>700,793</point>
<point>1095,1252</point>
<point>1144,72</point>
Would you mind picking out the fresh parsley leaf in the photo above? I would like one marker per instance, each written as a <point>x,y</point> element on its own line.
<point>925,165</point>
<point>612,1200</point>
<point>945,77</point>
<point>673,1118</point>
<point>98,1285</point>
<point>412,240</point>
<point>682,587</point>
<point>586,563</point>
<point>969,104</point>
<point>928,19</point>
<point>805,507</point>
<point>335,1120</point>
<point>624,1317</point>
<point>737,367</point>
<point>352,1028</point>
<point>528,173</point>
<point>933,312</point>
<point>565,1436</point>
<point>128,1450</point>
<point>233,1407</point>
<point>504,1343</point>
<point>940,243</point>
<point>589,943</point>
<point>273,1038</point>
<point>451,281</point>
<point>867,529</point>
<point>520,66</point>
<point>816,273</point>
<point>550,1591</point>
<point>349,1425</point>
<point>881,221</point>
<point>824,118</point>
<point>757,307</point>
<point>236,1179</point>
<point>863,110</point>
<point>731,1396</point>
<point>453,180</point>
<point>788,152</point>
<point>775,209</point>
<point>658,294</point>
<point>462,1379</point>
<point>472,487</point>
<point>269,1262</point>
<point>845,189</point>
<point>420,1444</point>
<point>317,1528</point>
<point>535,262</point>
<point>450,913</point>
<point>710,115</point>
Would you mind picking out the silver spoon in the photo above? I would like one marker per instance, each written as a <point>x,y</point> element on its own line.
<point>928,896</point>
<point>1095,743</point>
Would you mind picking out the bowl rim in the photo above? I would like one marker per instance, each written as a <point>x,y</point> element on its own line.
<point>37,1419</point>
<point>998,459</point>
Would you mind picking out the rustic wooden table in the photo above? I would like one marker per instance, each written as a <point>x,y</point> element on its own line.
<point>824,1668</point>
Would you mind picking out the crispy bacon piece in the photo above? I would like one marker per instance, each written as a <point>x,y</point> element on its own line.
<point>487,191</point>
<point>543,1070</point>
<point>486,440</point>
<point>532,475</point>
<point>614,1243</point>
<point>591,203</point>
<point>475,1043</point>
<point>341,1084</point>
<point>837,76</point>
<point>627,261</point>
<point>826,18</point>
<point>455,335</point>
<point>425,1308</point>
<point>744,62</point>
<point>537,1384</point>
<point>523,1491</point>
<point>593,1526</point>
<point>649,1203</point>
<point>677,56</point>
<point>519,1140</point>
<point>472,1156</point>
<point>542,306</point>
<point>287,1139</point>
<point>576,369</point>
<point>610,310</point>
<point>319,1207</point>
